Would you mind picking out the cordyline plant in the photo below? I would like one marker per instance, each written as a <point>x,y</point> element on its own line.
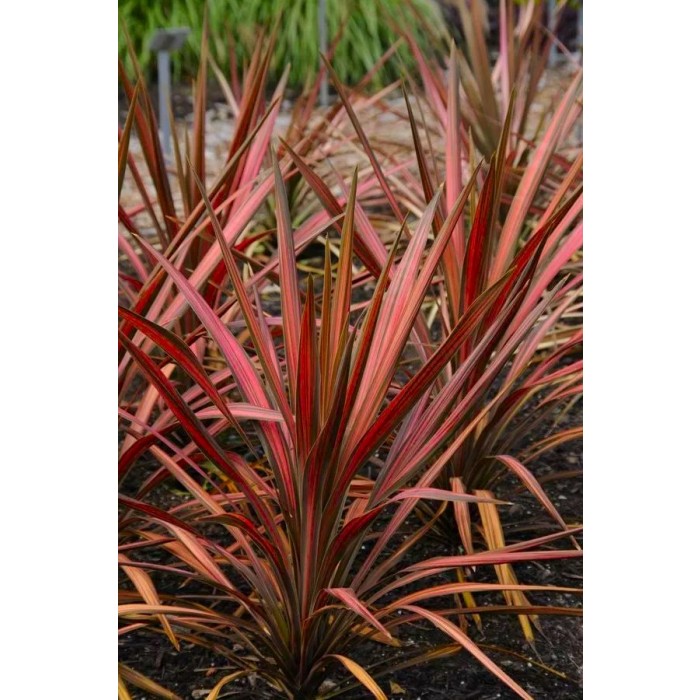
<point>524,45</point>
<point>515,201</point>
<point>547,368</point>
<point>509,205</point>
<point>283,546</point>
<point>483,243</point>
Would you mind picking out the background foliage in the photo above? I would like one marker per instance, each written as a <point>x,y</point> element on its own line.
<point>367,34</point>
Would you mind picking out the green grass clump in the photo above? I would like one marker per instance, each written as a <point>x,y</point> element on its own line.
<point>368,32</point>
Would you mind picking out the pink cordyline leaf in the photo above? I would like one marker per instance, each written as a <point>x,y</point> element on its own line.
<point>494,557</point>
<point>291,310</point>
<point>349,597</point>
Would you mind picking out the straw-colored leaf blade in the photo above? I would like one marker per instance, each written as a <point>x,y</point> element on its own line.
<point>495,539</point>
<point>144,585</point>
<point>468,599</point>
<point>144,683</point>
<point>361,676</point>
<point>216,690</point>
<point>123,692</point>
